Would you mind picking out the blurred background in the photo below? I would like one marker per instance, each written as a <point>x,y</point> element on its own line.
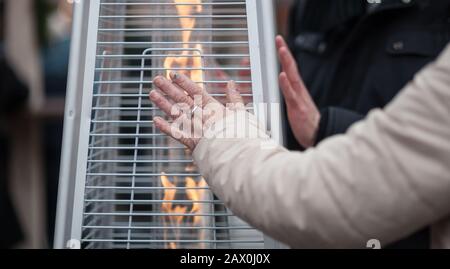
<point>34,54</point>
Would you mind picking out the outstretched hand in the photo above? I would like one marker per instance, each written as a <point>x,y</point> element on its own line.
<point>304,117</point>
<point>189,105</point>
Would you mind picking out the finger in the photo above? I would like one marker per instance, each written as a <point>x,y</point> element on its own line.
<point>164,126</point>
<point>234,96</point>
<point>287,60</point>
<point>173,132</point>
<point>220,75</point>
<point>280,42</point>
<point>289,66</point>
<point>191,87</point>
<point>288,91</point>
<point>173,91</point>
<point>160,101</point>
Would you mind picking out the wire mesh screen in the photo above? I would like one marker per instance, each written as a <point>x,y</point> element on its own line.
<point>142,188</point>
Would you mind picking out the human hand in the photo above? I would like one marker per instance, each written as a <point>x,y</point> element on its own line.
<point>303,115</point>
<point>191,107</point>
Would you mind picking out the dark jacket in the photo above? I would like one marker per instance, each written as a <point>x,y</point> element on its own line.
<point>353,60</point>
<point>13,95</point>
<point>11,231</point>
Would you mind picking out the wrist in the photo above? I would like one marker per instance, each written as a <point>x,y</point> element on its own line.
<point>322,126</point>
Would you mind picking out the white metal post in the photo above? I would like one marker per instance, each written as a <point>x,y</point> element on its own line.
<point>71,125</point>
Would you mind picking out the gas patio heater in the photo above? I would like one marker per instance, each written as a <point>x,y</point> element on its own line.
<point>123,184</point>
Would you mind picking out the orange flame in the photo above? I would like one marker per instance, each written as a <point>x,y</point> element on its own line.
<point>189,55</point>
<point>196,195</point>
<point>194,192</point>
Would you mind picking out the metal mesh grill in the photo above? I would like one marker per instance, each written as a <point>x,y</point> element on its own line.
<point>142,188</point>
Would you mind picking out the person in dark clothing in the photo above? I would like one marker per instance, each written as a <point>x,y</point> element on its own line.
<point>10,225</point>
<point>55,65</point>
<point>354,56</point>
<point>12,97</point>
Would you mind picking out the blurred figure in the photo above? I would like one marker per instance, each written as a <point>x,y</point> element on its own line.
<point>355,56</point>
<point>55,61</point>
<point>22,124</point>
<point>13,95</point>
<point>36,37</point>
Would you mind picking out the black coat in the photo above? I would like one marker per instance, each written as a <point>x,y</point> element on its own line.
<point>13,95</point>
<point>354,60</point>
<point>9,226</point>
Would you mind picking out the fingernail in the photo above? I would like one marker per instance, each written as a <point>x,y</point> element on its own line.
<point>156,120</point>
<point>158,81</point>
<point>153,94</point>
<point>174,75</point>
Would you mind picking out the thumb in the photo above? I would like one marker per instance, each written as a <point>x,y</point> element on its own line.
<point>234,96</point>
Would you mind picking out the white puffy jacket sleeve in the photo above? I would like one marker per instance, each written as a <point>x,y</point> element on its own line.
<point>386,178</point>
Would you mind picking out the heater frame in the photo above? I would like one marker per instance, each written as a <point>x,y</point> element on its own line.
<point>77,121</point>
